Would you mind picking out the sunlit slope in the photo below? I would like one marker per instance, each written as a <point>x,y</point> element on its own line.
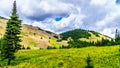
<point>36,38</point>
<point>83,35</point>
<point>32,36</point>
<point>102,57</point>
<point>95,38</point>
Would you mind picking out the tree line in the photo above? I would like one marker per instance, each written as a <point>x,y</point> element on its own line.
<point>76,43</point>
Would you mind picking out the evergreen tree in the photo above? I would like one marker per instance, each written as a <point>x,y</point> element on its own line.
<point>11,37</point>
<point>89,62</point>
<point>117,37</point>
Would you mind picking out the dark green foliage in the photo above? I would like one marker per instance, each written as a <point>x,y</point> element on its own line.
<point>75,34</point>
<point>49,32</point>
<point>59,40</point>
<point>117,37</point>
<point>65,47</point>
<point>79,44</point>
<point>11,40</point>
<point>28,48</point>
<point>89,62</point>
<point>60,64</point>
<point>23,47</point>
<point>104,42</point>
<point>95,33</point>
<point>51,47</point>
<point>56,36</point>
<point>38,28</point>
<point>0,44</point>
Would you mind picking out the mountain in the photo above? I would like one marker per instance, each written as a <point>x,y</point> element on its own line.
<point>35,37</point>
<point>84,35</point>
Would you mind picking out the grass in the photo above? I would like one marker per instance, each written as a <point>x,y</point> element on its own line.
<point>102,57</point>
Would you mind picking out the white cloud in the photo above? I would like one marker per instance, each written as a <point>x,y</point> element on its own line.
<point>99,2</point>
<point>44,8</point>
<point>109,31</point>
<point>110,20</point>
<point>5,8</point>
<point>98,15</point>
<point>73,21</point>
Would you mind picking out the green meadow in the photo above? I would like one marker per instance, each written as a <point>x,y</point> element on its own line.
<point>102,57</point>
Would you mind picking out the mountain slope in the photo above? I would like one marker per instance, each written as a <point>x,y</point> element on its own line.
<point>84,35</point>
<point>33,37</point>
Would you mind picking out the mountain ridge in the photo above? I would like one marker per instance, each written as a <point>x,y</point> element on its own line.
<point>35,37</point>
<point>83,34</point>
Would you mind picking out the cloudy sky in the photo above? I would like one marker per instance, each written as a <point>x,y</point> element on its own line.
<point>62,15</point>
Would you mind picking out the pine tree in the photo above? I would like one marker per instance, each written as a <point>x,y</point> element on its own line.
<point>89,62</point>
<point>117,37</point>
<point>11,37</point>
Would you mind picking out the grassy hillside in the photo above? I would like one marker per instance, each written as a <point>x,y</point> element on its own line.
<point>36,38</point>
<point>75,34</point>
<point>84,35</point>
<point>102,57</point>
<point>33,37</point>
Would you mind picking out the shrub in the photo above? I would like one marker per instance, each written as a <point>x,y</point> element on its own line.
<point>89,62</point>
<point>28,48</point>
<point>60,63</point>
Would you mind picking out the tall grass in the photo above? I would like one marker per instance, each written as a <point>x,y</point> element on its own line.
<point>102,57</point>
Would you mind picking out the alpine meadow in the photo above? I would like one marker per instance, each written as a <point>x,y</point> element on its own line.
<point>60,34</point>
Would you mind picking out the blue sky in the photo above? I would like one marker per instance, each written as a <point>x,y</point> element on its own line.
<point>58,18</point>
<point>62,15</point>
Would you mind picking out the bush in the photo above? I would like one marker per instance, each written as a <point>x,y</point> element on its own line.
<point>89,62</point>
<point>60,63</point>
<point>28,48</point>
